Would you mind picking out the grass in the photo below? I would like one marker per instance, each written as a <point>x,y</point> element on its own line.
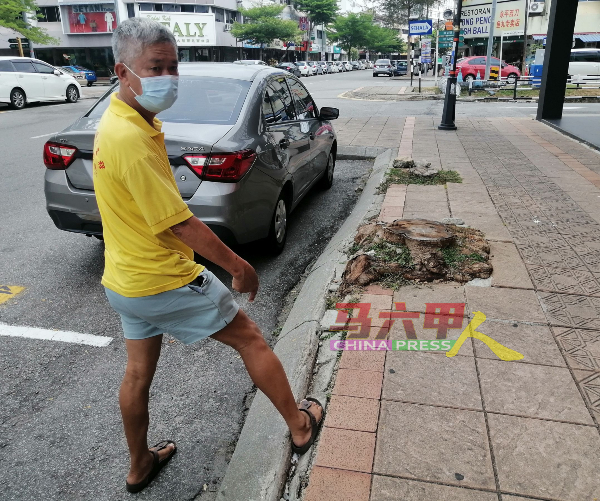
<point>389,253</point>
<point>509,92</point>
<point>453,257</point>
<point>402,176</point>
<point>426,90</point>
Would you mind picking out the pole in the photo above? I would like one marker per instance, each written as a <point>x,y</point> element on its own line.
<point>525,38</point>
<point>437,50</point>
<point>501,42</point>
<point>410,59</point>
<point>449,113</point>
<point>20,46</point>
<point>488,59</point>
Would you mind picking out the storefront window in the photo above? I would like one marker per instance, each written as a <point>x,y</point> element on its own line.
<point>91,18</point>
<point>202,55</point>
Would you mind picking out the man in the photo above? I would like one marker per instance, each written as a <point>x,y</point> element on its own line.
<point>150,276</point>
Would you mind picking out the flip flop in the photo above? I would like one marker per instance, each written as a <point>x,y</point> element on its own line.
<point>314,426</point>
<point>156,466</point>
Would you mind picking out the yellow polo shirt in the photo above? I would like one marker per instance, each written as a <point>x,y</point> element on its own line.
<point>139,201</point>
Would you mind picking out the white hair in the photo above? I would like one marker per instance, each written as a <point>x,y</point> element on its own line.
<point>132,36</point>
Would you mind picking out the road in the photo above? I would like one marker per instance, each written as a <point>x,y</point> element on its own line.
<point>60,429</point>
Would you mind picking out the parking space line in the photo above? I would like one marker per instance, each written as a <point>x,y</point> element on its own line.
<point>51,335</point>
<point>9,291</point>
<point>44,135</point>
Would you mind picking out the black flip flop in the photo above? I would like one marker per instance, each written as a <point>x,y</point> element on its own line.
<point>156,466</point>
<point>314,426</point>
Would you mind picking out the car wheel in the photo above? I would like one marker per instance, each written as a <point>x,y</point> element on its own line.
<point>512,78</point>
<point>89,84</point>
<point>17,99</point>
<point>326,181</point>
<point>72,94</point>
<point>278,230</point>
<point>374,74</point>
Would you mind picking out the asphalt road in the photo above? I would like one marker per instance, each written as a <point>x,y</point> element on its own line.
<point>60,431</point>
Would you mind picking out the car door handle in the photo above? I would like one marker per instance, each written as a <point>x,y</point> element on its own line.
<point>284,143</point>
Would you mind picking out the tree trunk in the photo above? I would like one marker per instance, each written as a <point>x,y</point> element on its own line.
<point>310,26</point>
<point>260,53</point>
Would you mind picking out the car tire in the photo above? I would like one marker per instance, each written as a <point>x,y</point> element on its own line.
<point>326,181</point>
<point>374,75</point>
<point>89,84</point>
<point>278,228</point>
<point>72,94</point>
<point>511,78</point>
<point>18,99</point>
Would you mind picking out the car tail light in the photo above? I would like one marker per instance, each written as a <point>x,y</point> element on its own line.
<point>58,156</point>
<point>222,167</point>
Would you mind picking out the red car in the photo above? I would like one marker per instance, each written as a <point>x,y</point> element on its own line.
<point>470,66</point>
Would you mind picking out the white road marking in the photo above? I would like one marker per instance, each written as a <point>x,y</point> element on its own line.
<point>44,135</point>
<point>50,335</point>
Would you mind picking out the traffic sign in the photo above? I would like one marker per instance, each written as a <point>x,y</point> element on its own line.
<point>447,45</point>
<point>14,40</point>
<point>16,46</point>
<point>420,27</point>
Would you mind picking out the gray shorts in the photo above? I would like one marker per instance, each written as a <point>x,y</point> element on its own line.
<point>190,313</point>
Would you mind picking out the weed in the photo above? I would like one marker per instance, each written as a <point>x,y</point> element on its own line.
<point>392,253</point>
<point>402,176</point>
<point>277,331</point>
<point>453,257</point>
<point>353,249</point>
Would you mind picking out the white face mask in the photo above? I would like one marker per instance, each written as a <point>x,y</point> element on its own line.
<point>158,93</point>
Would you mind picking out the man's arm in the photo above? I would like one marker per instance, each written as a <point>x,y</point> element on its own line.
<point>195,234</point>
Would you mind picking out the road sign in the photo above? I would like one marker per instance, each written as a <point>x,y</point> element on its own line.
<point>420,27</point>
<point>16,46</point>
<point>447,45</point>
<point>14,40</point>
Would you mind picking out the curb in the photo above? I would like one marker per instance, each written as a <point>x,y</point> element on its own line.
<point>257,470</point>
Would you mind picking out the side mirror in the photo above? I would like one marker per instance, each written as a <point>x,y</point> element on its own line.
<point>328,113</point>
<point>56,72</point>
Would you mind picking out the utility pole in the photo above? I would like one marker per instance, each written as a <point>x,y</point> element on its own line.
<point>449,114</point>
<point>20,46</point>
<point>488,60</point>
<point>437,48</point>
<point>525,38</point>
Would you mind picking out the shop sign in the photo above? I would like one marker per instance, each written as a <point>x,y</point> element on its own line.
<point>303,24</point>
<point>89,18</point>
<point>189,29</point>
<point>477,18</point>
<point>337,50</point>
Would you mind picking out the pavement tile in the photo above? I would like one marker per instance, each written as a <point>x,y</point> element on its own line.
<point>378,289</point>
<point>534,342</point>
<point>509,269</point>
<point>581,347</point>
<point>545,458</point>
<point>431,379</point>
<point>357,383</point>
<point>531,390</point>
<point>390,214</point>
<point>337,485</point>
<point>396,489</point>
<point>589,382</point>
<point>433,443</point>
<point>490,224</point>
<point>571,310</point>
<point>346,449</point>
<point>363,360</point>
<point>416,296</point>
<point>352,413</point>
<point>506,304</point>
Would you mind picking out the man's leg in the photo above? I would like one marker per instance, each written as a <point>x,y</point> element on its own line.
<point>267,373</point>
<point>142,357</point>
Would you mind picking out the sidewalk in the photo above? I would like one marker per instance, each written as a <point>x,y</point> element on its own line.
<point>404,425</point>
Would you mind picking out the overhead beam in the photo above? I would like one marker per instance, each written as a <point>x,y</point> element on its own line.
<point>559,42</point>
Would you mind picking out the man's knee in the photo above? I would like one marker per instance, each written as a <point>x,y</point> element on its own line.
<point>249,336</point>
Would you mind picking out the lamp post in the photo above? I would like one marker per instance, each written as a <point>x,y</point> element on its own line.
<point>449,113</point>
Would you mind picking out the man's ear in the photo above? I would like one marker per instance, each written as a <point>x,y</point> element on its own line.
<point>121,72</point>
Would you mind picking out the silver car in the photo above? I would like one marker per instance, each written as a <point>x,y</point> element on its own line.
<point>246,143</point>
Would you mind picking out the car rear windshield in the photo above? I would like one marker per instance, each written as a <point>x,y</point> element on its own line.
<point>382,61</point>
<point>201,100</point>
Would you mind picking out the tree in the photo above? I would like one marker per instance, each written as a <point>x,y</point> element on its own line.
<point>319,12</point>
<point>384,40</point>
<point>13,16</point>
<point>352,30</point>
<point>264,26</point>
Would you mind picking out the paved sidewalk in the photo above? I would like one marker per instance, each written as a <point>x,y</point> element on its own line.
<point>421,426</point>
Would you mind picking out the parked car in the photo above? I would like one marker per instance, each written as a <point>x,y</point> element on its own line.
<point>362,65</point>
<point>369,65</point>
<point>382,67</point>
<point>305,68</point>
<point>88,75</point>
<point>470,66</point>
<point>26,80</point>
<point>400,68</point>
<point>584,62</point>
<point>316,67</point>
<point>347,65</point>
<point>291,67</point>
<point>354,65</point>
<point>246,143</point>
<point>332,67</point>
<point>341,66</point>
<point>250,61</point>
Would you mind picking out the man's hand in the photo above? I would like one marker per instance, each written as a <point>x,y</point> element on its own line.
<point>246,280</point>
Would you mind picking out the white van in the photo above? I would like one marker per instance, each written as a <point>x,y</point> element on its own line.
<point>584,62</point>
<point>26,80</point>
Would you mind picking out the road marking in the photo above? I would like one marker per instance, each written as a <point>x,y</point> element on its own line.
<point>44,135</point>
<point>9,291</point>
<point>50,335</point>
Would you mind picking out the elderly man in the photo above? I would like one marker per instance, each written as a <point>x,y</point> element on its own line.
<point>150,275</point>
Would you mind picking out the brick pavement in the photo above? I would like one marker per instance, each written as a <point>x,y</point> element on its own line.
<point>422,426</point>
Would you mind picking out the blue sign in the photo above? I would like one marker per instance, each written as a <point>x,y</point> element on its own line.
<point>420,27</point>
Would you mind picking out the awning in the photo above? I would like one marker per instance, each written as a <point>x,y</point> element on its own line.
<point>589,37</point>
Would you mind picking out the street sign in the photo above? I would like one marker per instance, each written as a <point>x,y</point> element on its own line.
<point>14,40</point>
<point>16,46</point>
<point>447,45</point>
<point>420,27</point>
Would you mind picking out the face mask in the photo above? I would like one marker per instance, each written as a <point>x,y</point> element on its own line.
<point>158,93</point>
